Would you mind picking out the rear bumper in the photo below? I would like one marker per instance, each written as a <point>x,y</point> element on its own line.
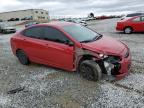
<point>118,28</point>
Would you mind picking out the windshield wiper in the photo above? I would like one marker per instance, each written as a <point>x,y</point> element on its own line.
<point>91,40</point>
<point>97,37</point>
<point>85,41</point>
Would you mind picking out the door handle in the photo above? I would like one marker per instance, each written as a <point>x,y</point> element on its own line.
<point>46,45</point>
<point>67,50</point>
<point>55,47</point>
<point>24,39</point>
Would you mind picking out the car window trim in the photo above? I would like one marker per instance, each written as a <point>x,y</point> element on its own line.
<point>141,18</point>
<point>68,39</point>
<point>23,32</point>
<point>42,38</point>
<point>136,18</point>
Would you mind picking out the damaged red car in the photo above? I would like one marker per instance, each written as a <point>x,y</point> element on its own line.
<point>72,47</point>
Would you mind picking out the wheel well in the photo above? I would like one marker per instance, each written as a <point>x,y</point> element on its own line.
<point>128,27</point>
<point>18,50</point>
<point>84,57</point>
<point>90,57</point>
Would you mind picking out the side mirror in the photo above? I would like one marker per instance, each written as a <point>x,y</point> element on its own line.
<point>70,43</point>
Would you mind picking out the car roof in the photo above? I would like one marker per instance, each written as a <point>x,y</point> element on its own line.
<point>57,23</point>
<point>134,14</point>
<point>137,16</point>
<point>129,18</point>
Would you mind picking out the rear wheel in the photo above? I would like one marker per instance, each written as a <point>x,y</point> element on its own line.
<point>22,57</point>
<point>128,30</point>
<point>90,70</point>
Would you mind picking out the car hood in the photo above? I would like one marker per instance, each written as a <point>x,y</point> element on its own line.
<point>105,45</point>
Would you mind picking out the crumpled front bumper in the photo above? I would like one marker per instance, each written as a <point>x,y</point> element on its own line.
<point>118,68</point>
<point>125,66</point>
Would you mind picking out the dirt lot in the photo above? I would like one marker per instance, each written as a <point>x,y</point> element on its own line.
<point>45,87</point>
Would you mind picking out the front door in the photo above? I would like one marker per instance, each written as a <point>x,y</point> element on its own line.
<point>58,53</point>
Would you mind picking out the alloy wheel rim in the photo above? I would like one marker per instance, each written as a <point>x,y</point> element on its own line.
<point>127,30</point>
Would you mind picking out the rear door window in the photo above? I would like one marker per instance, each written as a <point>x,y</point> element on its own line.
<point>142,18</point>
<point>136,19</point>
<point>33,32</point>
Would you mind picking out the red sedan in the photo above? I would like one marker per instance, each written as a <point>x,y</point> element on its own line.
<point>72,47</point>
<point>134,24</point>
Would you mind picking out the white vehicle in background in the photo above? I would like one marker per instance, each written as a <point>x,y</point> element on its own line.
<point>30,24</point>
<point>76,20</point>
<point>132,15</point>
<point>81,22</point>
<point>6,28</point>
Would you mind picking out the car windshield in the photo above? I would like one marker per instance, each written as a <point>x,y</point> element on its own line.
<point>81,34</point>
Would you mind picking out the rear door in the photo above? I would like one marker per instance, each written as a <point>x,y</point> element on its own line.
<point>58,53</point>
<point>32,44</point>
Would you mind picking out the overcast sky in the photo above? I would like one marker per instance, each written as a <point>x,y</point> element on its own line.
<point>75,7</point>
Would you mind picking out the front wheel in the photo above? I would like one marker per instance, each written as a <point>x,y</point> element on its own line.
<point>90,70</point>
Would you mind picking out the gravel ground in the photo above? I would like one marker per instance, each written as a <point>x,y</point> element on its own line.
<point>46,87</point>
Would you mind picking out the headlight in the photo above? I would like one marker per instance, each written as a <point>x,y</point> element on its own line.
<point>108,67</point>
<point>103,56</point>
<point>126,55</point>
<point>113,59</point>
<point>112,64</point>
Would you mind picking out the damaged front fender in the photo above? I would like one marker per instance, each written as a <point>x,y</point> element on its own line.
<point>109,64</point>
<point>80,53</point>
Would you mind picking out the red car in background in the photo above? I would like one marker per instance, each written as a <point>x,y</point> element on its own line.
<point>134,24</point>
<point>72,47</point>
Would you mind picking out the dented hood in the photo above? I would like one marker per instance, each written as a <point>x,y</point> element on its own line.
<point>105,45</point>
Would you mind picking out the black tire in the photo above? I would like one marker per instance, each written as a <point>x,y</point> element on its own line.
<point>22,57</point>
<point>128,30</point>
<point>4,32</point>
<point>90,70</point>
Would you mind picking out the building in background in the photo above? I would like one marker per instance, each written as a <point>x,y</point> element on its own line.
<point>38,15</point>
